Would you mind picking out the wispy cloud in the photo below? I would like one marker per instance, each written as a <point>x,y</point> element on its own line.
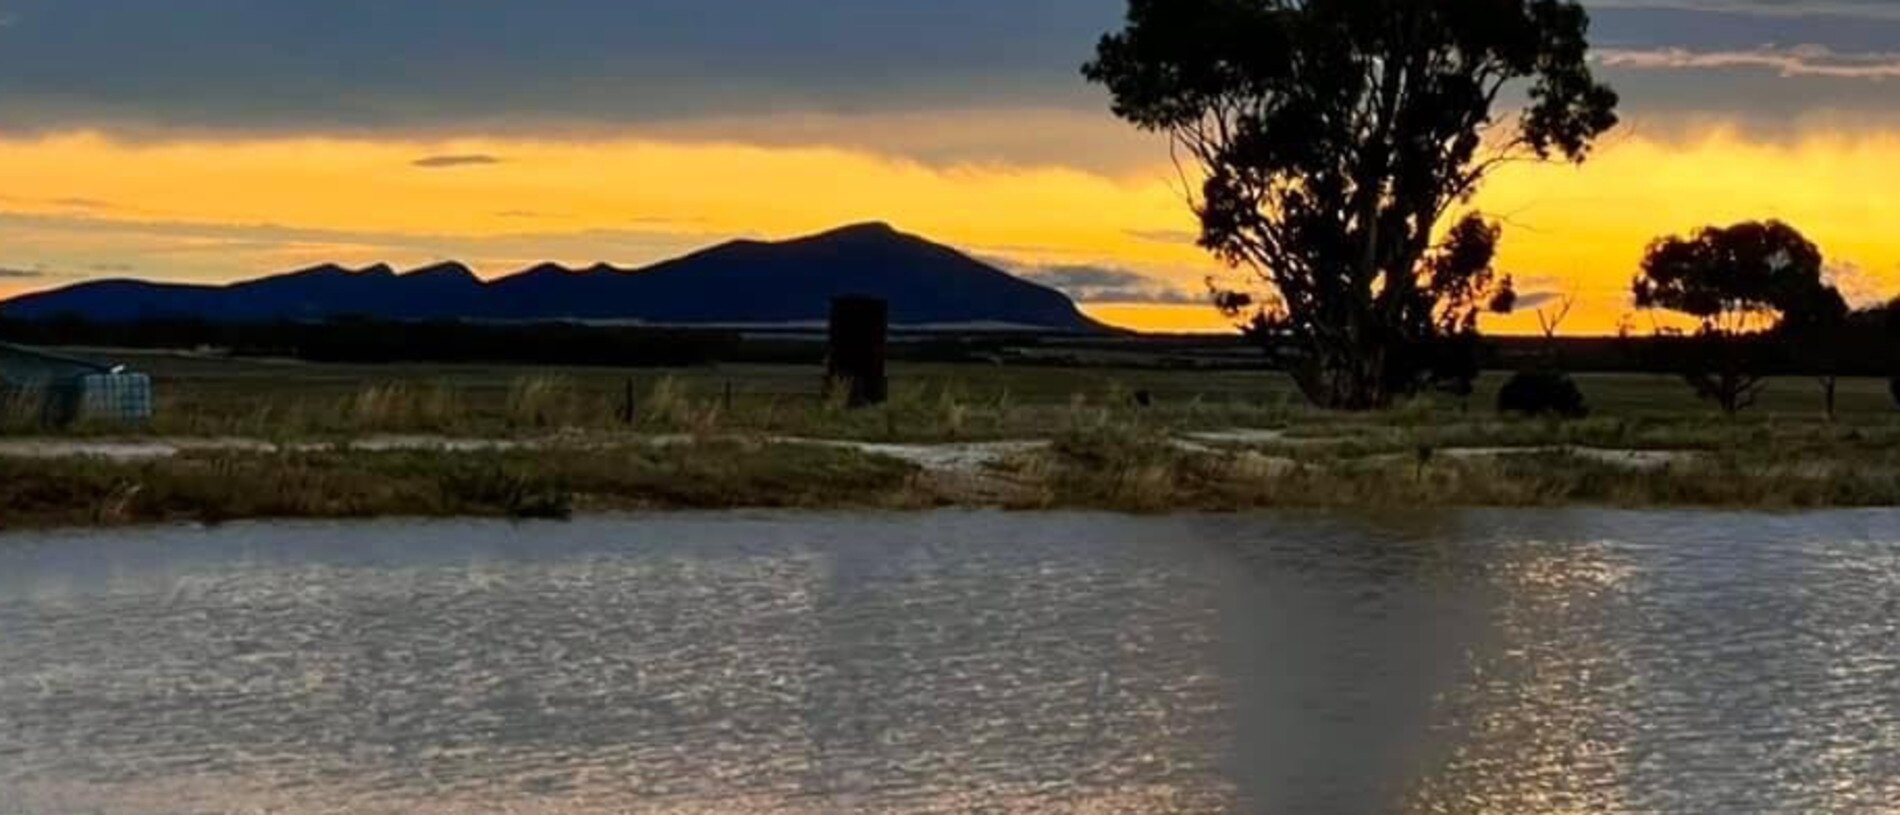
<point>451,161</point>
<point>1170,236</point>
<point>1107,284</point>
<point>1872,9</point>
<point>1856,283</point>
<point>20,274</point>
<point>1800,60</point>
<point>1529,301</point>
<point>82,203</point>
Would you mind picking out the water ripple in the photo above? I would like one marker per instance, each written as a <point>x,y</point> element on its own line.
<point>1507,662</point>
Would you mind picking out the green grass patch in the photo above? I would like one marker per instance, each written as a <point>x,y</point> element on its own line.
<point>206,487</point>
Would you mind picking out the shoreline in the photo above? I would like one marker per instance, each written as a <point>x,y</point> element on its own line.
<point>82,483</point>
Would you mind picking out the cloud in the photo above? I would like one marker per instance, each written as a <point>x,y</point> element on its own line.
<point>1528,301</point>
<point>1729,27</point>
<point>1801,60</point>
<point>1856,283</point>
<point>1869,9</point>
<point>1085,137</point>
<point>447,162</point>
<point>972,82</point>
<point>351,64</point>
<point>1168,236</point>
<point>21,274</point>
<point>82,203</point>
<point>1107,284</point>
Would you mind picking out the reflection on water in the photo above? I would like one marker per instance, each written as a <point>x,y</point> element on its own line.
<point>1487,662</point>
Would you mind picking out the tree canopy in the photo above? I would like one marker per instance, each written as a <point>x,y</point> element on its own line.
<point>1747,278</point>
<point>1336,137</point>
<point>1742,283</point>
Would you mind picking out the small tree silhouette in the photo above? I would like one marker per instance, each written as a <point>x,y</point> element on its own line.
<point>1550,321</point>
<point>1336,139</point>
<point>1740,283</point>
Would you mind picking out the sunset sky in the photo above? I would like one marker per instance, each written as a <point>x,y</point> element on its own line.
<point>212,140</point>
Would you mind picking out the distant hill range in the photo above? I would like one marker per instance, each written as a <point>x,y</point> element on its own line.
<point>739,283</point>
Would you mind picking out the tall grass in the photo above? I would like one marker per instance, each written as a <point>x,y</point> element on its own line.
<point>668,402</point>
<point>671,406</point>
<point>403,406</point>
<point>544,402</point>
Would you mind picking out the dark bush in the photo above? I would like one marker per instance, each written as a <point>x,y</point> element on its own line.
<point>1542,393</point>
<point>1895,387</point>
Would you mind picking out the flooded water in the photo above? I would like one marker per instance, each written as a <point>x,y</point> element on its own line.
<point>1467,662</point>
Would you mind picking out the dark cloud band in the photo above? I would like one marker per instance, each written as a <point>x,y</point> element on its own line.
<point>705,67</point>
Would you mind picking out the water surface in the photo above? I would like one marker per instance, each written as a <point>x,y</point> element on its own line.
<point>1459,662</point>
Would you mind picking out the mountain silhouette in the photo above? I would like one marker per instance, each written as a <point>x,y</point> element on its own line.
<point>740,282</point>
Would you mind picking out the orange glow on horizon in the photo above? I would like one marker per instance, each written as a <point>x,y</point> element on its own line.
<point>85,205</point>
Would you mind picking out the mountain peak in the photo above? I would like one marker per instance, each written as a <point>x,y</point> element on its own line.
<point>546,267</point>
<point>320,270</point>
<point>866,230</point>
<point>447,268</point>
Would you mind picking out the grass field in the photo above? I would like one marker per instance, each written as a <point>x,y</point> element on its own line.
<point>738,436</point>
<point>278,399</point>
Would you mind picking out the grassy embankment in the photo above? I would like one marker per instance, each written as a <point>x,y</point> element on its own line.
<point>733,451</point>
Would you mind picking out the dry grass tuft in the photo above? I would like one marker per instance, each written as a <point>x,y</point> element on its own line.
<point>546,402</point>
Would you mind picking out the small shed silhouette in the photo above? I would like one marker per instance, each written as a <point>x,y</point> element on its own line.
<point>61,390</point>
<point>860,328</point>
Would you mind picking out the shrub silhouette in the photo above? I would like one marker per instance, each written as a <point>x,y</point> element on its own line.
<point>1894,386</point>
<point>1543,393</point>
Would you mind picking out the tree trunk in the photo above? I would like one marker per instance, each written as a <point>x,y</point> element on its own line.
<point>1344,381</point>
<point>1829,385</point>
<point>1731,396</point>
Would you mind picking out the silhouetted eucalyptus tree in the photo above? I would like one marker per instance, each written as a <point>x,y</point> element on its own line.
<point>1336,137</point>
<point>1740,283</point>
